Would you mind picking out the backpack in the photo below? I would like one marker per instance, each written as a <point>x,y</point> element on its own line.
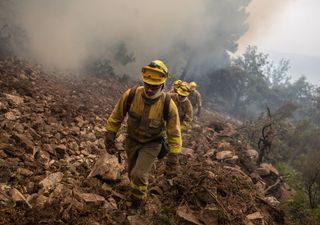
<point>164,145</point>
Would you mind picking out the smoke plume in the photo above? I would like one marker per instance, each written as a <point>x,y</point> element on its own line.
<point>262,15</point>
<point>68,34</point>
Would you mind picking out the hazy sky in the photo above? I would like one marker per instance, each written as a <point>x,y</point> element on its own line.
<point>286,26</point>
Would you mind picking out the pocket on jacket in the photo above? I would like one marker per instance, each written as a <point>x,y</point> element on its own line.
<point>134,120</point>
<point>155,127</point>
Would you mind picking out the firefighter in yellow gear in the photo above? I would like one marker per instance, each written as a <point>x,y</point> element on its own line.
<point>195,98</point>
<point>183,104</point>
<point>175,85</point>
<point>146,128</point>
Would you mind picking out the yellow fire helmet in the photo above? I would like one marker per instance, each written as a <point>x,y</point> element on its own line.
<point>193,85</point>
<point>184,89</point>
<point>156,73</point>
<point>177,82</point>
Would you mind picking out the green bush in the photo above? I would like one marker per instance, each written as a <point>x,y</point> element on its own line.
<point>297,208</point>
<point>290,175</point>
<point>299,211</point>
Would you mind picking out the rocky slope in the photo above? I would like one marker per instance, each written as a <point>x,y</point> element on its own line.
<point>51,128</point>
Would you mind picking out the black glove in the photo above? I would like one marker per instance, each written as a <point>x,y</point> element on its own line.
<point>109,142</point>
<point>171,166</point>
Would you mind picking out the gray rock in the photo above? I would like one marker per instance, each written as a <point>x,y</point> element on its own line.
<point>51,181</point>
<point>25,172</point>
<point>85,152</point>
<point>91,137</point>
<point>12,115</point>
<point>15,99</point>
<point>224,155</point>
<point>2,154</point>
<point>253,154</point>
<point>42,156</point>
<point>3,107</point>
<point>210,216</point>
<point>91,198</point>
<point>263,171</point>
<point>75,130</point>
<point>38,200</point>
<point>187,215</point>
<point>80,121</point>
<point>18,197</point>
<point>272,201</point>
<point>187,152</point>
<point>30,187</point>
<point>107,167</point>
<point>270,168</point>
<point>25,142</point>
<point>255,216</point>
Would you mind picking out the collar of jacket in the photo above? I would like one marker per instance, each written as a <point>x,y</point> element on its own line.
<point>185,99</point>
<point>150,101</point>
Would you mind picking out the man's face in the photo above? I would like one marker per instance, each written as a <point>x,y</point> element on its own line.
<point>151,90</point>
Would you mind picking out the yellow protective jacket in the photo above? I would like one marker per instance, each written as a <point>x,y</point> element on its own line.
<point>185,111</point>
<point>195,99</point>
<point>145,119</point>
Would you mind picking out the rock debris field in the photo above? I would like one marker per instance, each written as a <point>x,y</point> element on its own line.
<point>54,169</point>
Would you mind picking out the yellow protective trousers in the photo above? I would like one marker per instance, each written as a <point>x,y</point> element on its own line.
<point>141,157</point>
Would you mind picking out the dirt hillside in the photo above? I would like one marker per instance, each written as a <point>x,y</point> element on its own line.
<point>51,135</point>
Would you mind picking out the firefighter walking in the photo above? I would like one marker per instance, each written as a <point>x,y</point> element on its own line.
<point>195,98</point>
<point>147,126</point>
<point>183,104</point>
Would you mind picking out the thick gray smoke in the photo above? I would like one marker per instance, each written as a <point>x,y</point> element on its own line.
<point>67,34</point>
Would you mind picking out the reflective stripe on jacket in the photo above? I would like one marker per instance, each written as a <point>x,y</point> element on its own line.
<point>145,120</point>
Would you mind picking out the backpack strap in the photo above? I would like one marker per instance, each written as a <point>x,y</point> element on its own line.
<point>130,98</point>
<point>166,107</point>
